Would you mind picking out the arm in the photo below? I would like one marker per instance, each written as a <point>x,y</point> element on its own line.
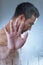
<point>4,52</point>
<point>15,41</point>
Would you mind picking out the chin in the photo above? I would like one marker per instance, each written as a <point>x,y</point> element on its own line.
<point>29,29</point>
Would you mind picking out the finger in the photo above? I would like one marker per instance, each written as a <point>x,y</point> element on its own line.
<point>11,26</point>
<point>6,31</point>
<point>15,25</point>
<point>20,28</point>
<point>25,37</point>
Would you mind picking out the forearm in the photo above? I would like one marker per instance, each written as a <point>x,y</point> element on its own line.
<point>4,52</point>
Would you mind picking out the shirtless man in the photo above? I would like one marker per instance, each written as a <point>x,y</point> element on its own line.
<point>10,36</point>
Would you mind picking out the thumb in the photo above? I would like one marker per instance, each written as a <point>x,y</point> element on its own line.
<point>24,38</point>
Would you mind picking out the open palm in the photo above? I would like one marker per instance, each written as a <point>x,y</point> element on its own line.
<point>15,41</point>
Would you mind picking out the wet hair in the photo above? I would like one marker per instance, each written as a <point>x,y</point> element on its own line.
<point>27,9</point>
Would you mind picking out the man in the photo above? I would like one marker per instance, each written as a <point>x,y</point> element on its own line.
<point>23,19</point>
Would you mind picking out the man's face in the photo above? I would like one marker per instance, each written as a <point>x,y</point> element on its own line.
<point>28,23</point>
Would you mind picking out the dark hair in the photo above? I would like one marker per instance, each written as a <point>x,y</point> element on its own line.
<point>27,9</point>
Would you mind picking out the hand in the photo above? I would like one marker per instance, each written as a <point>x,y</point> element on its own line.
<point>15,41</point>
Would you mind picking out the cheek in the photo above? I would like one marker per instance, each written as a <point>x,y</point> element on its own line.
<point>26,27</point>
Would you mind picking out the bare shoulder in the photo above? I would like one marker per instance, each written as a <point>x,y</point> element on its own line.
<point>2,37</point>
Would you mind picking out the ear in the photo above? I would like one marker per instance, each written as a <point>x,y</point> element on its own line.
<point>21,18</point>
